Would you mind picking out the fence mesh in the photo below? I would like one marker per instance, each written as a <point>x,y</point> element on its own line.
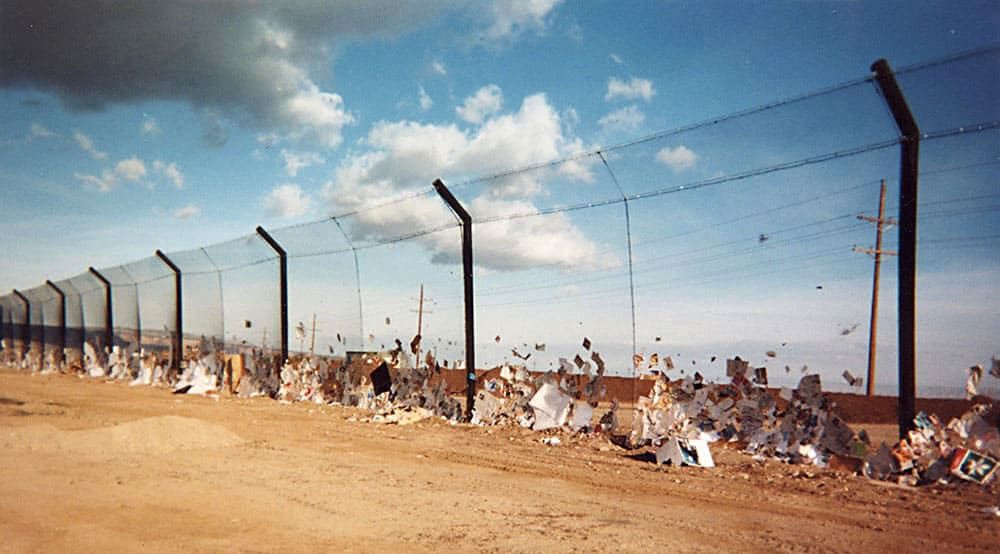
<point>734,235</point>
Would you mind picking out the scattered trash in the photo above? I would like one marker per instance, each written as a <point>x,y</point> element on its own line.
<point>852,380</point>
<point>803,429</point>
<point>685,452</point>
<point>848,330</point>
<point>551,441</point>
<point>968,447</point>
<point>972,383</point>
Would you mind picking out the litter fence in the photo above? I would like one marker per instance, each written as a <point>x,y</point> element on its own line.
<point>670,252</point>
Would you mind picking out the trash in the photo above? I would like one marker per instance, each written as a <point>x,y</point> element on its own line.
<point>540,347</point>
<point>583,412</point>
<point>973,466</point>
<point>848,330</point>
<point>381,380</point>
<point>551,407</point>
<point>551,441</point>
<point>771,354</point>
<point>994,510</point>
<point>586,343</point>
<point>972,383</point>
<point>485,409</point>
<point>691,452</point>
<point>851,379</point>
<point>596,358</point>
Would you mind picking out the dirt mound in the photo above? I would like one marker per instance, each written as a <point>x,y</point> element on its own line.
<point>155,435</point>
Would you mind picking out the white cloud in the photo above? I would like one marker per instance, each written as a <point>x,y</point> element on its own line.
<point>632,89</point>
<point>294,161</point>
<point>107,181</point>
<point>426,102</point>
<point>616,58</point>
<point>287,200</point>
<point>437,66</point>
<point>149,127</point>
<point>512,17</point>
<point>485,102</point>
<point>187,212</point>
<point>628,118</point>
<point>87,145</point>
<point>131,169</point>
<point>677,158</point>
<point>39,131</point>
<point>401,155</point>
<point>171,172</point>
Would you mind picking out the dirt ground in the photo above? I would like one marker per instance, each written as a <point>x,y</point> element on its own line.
<point>91,466</point>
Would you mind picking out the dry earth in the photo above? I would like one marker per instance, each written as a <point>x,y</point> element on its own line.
<point>91,466</point>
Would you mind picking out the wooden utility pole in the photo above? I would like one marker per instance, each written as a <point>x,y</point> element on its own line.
<point>312,341</point>
<point>420,325</point>
<point>877,253</point>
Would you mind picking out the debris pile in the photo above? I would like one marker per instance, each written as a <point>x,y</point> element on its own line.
<point>968,447</point>
<point>681,417</point>
<point>394,393</point>
<point>553,400</point>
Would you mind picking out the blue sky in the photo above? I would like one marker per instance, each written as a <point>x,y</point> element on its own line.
<point>172,126</point>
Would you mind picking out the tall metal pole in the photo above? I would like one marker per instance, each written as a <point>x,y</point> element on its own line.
<point>357,281</point>
<point>26,327</point>
<point>909,165</point>
<point>62,319</point>
<point>631,281</point>
<point>179,308</point>
<point>283,285</point>
<point>467,273</point>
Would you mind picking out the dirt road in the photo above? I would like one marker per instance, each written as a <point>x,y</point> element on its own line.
<point>92,466</point>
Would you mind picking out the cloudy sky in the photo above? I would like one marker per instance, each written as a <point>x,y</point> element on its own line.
<point>135,126</point>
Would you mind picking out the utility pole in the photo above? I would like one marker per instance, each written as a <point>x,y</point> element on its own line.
<point>312,341</point>
<point>877,253</point>
<point>420,324</point>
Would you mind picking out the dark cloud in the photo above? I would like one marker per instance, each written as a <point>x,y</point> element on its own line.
<point>250,62</point>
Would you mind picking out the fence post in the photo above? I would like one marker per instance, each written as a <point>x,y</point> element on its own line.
<point>109,335</point>
<point>26,327</point>
<point>283,285</point>
<point>62,319</point>
<point>909,164</point>
<point>467,271</point>
<point>179,308</point>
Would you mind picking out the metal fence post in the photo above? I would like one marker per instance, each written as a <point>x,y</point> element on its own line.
<point>26,327</point>
<point>109,335</point>
<point>62,319</point>
<point>179,308</point>
<point>909,164</point>
<point>467,272</point>
<point>283,285</point>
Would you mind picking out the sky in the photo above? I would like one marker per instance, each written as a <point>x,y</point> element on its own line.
<point>135,126</point>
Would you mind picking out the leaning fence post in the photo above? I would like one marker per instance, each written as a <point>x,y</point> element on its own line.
<point>108,323</point>
<point>26,327</point>
<point>179,308</point>
<point>62,319</point>
<point>470,328</point>
<point>283,286</point>
<point>909,164</point>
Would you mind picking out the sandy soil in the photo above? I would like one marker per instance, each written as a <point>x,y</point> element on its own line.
<point>91,466</point>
